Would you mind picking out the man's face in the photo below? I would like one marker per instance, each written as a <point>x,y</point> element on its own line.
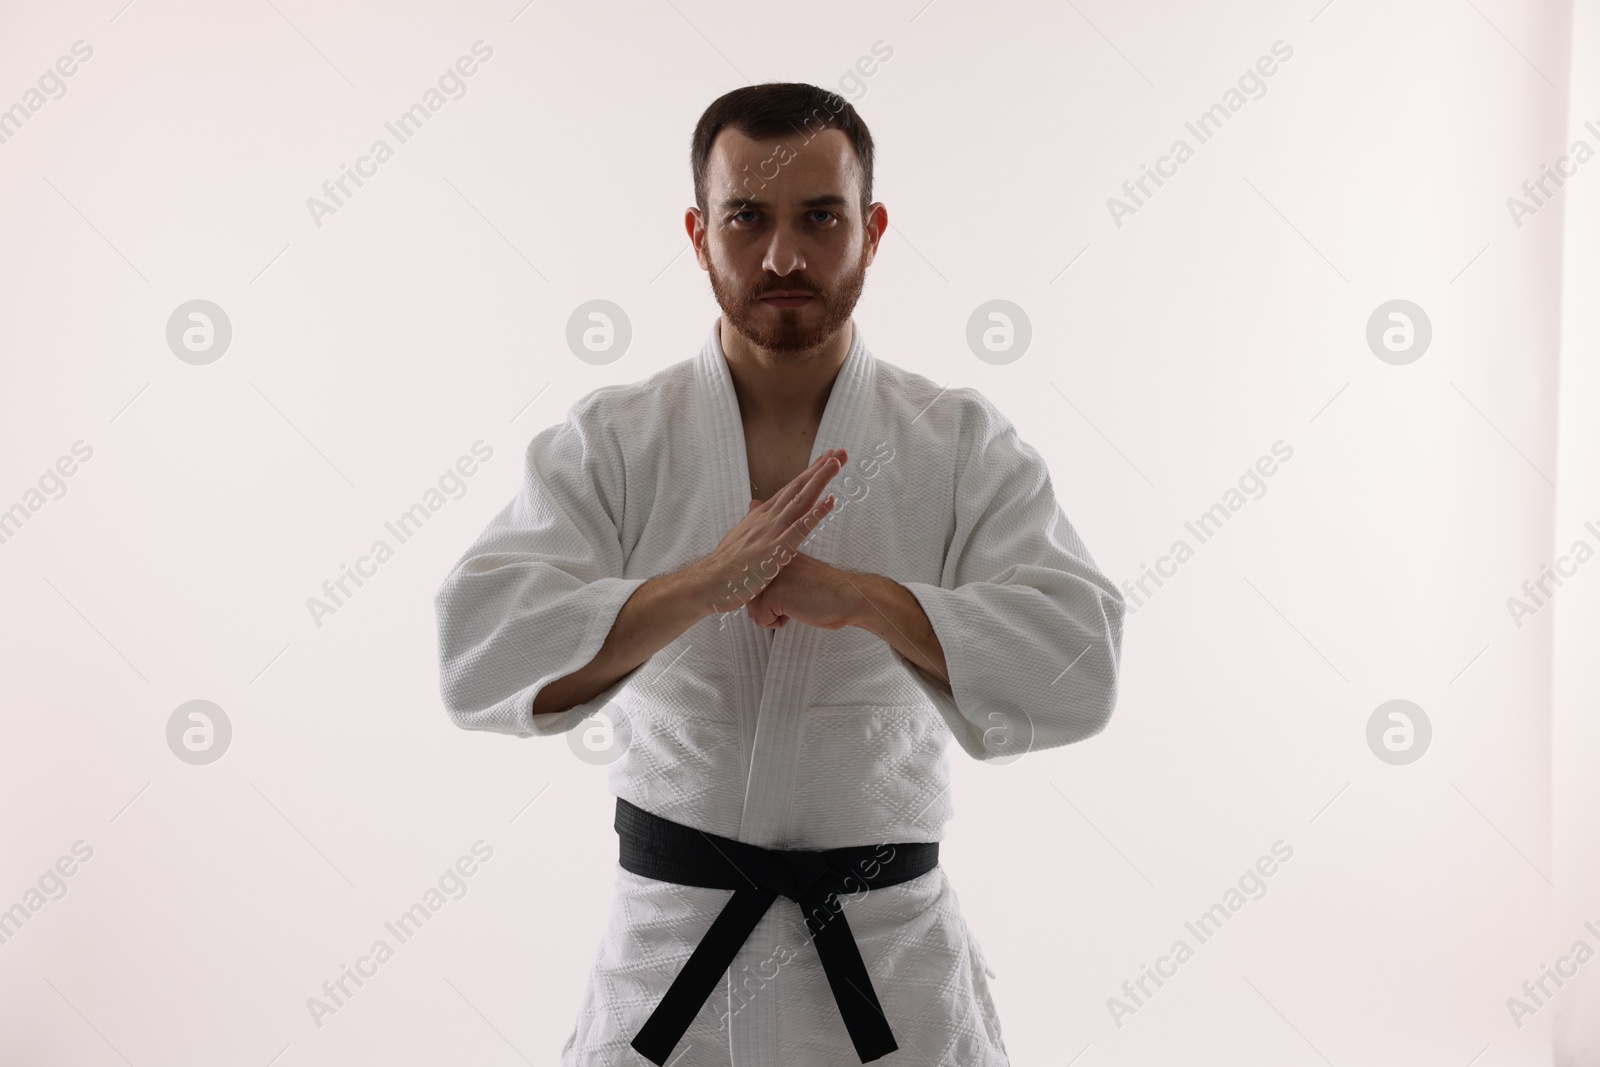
<point>783,216</point>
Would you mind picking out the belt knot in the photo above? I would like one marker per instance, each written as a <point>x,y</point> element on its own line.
<point>792,874</point>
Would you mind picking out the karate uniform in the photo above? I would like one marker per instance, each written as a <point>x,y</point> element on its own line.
<point>798,738</point>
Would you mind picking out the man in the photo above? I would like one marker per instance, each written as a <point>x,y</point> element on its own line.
<point>782,711</point>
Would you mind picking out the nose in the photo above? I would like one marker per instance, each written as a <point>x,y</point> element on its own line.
<point>783,255</point>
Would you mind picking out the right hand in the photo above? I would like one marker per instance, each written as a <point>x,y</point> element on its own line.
<point>768,536</point>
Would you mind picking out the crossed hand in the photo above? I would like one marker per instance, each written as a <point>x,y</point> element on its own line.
<point>759,562</point>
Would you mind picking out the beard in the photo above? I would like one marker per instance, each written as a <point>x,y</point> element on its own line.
<point>788,335</point>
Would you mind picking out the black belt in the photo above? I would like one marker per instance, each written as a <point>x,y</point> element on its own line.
<point>653,847</point>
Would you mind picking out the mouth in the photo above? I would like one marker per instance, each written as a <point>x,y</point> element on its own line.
<point>786,298</point>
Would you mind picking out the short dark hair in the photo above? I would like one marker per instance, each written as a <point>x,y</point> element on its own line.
<point>773,109</point>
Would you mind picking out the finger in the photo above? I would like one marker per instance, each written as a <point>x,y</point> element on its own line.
<point>800,482</point>
<point>806,499</point>
<point>795,536</point>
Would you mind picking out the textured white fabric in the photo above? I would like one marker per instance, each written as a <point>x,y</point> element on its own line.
<point>800,738</point>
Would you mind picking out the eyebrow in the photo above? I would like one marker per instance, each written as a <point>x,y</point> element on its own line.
<point>826,200</point>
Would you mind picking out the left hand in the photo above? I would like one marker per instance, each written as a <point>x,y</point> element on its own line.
<point>807,589</point>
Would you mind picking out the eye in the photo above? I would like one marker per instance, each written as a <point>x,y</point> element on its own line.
<point>827,214</point>
<point>747,211</point>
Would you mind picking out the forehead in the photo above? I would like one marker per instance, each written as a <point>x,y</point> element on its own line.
<point>792,167</point>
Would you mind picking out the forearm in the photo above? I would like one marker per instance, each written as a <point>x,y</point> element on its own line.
<point>654,616</point>
<point>888,609</point>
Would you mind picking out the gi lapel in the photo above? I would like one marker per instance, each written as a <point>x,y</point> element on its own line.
<point>781,701</point>
<point>727,468</point>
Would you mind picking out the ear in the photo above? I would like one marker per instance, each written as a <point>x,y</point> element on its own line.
<point>874,224</point>
<point>694,223</point>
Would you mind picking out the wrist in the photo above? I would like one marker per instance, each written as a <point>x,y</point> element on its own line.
<point>860,590</point>
<point>698,589</point>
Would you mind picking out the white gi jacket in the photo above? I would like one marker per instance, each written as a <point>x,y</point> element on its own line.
<point>798,738</point>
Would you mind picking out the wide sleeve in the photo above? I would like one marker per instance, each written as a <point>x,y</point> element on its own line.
<point>1031,629</point>
<point>534,597</point>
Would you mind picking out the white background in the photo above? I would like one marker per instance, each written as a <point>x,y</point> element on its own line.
<point>371,351</point>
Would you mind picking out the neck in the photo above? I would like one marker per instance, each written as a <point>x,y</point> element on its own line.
<point>783,390</point>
